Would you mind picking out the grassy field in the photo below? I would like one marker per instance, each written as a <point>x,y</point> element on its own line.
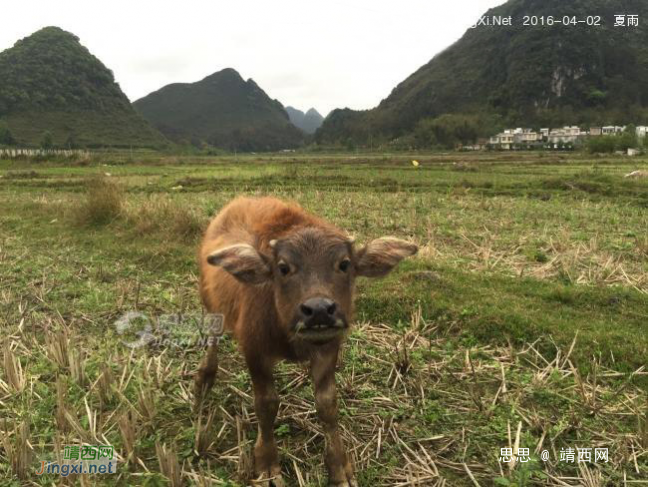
<point>522,322</point>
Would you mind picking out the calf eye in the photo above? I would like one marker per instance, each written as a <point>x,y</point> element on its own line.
<point>344,265</point>
<point>283,268</point>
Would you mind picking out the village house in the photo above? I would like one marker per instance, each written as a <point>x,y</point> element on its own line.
<point>502,140</point>
<point>554,138</point>
<point>526,136</point>
<point>565,136</point>
<point>515,137</point>
<point>611,130</point>
<point>520,137</point>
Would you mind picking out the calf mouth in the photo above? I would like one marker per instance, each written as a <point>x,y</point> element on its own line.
<point>321,332</point>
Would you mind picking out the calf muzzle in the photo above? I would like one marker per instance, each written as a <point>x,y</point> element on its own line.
<point>318,313</point>
<point>319,320</point>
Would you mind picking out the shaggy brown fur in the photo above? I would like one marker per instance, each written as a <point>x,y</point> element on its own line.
<point>283,280</point>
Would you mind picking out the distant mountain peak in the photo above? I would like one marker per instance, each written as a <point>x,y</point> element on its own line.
<point>312,111</point>
<point>53,30</point>
<point>223,110</point>
<point>227,73</point>
<point>309,122</point>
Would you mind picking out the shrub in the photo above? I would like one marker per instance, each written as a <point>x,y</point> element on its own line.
<point>605,144</point>
<point>102,204</point>
<point>47,142</point>
<point>627,140</point>
<point>447,131</point>
<point>6,137</point>
<point>164,216</point>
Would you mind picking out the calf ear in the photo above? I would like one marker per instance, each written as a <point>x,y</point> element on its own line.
<point>382,255</point>
<point>243,262</point>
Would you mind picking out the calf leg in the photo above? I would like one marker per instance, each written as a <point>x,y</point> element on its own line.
<point>340,469</point>
<point>266,405</point>
<point>206,375</point>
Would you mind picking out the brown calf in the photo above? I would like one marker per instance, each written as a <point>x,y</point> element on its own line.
<point>284,279</point>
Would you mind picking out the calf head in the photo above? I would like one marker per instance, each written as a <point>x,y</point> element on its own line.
<point>312,272</point>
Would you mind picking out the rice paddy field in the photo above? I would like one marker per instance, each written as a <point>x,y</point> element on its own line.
<point>521,324</point>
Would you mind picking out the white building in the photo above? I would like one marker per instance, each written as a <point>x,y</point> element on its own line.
<point>526,136</point>
<point>565,135</point>
<point>511,137</point>
<point>503,140</point>
<point>612,130</point>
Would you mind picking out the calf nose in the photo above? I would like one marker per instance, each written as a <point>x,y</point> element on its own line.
<point>318,311</point>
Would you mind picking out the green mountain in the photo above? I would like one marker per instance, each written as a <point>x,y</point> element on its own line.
<point>223,110</point>
<point>50,83</point>
<point>309,122</point>
<point>520,75</point>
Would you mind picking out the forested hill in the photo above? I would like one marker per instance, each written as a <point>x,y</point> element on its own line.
<point>49,82</point>
<point>522,74</point>
<point>222,110</point>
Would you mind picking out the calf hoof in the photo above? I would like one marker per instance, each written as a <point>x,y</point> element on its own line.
<point>267,469</point>
<point>345,483</point>
<point>343,477</point>
<point>272,478</point>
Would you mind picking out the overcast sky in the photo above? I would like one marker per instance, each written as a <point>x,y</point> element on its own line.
<point>306,53</point>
